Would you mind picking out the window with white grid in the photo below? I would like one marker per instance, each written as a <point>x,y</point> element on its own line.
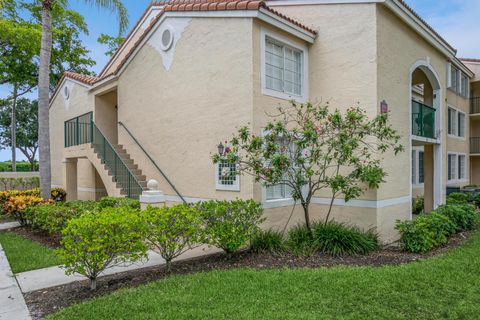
<point>461,166</point>
<point>226,176</point>
<point>452,167</point>
<point>283,67</point>
<point>280,191</point>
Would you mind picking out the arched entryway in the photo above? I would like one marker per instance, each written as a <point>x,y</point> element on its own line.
<point>425,146</point>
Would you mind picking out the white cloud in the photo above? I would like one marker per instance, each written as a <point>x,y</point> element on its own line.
<point>459,25</point>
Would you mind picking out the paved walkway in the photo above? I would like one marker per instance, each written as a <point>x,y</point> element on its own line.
<point>9,225</point>
<point>55,276</point>
<point>12,304</point>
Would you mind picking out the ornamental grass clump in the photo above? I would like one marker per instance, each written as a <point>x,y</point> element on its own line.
<point>300,241</point>
<point>172,230</point>
<point>337,239</point>
<point>267,241</point>
<point>94,242</point>
<point>229,225</point>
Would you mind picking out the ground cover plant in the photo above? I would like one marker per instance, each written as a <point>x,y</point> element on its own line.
<point>24,254</point>
<point>446,287</point>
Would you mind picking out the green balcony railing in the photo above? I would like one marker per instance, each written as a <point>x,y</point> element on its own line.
<point>423,120</point>
<point>82,130</point>
<point>120,171</point>
<point>78,130</point>
<point>474,105</point>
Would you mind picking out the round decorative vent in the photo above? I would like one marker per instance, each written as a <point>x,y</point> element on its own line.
<point>66,92</point>
<point>167,38</point>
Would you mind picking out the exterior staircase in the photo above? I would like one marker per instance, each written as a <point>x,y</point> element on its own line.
<point>119,173</point>
<point>129,162</point>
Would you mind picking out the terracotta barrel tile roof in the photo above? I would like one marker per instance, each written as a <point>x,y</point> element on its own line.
<point>81,77</point>
<point>470,60</point>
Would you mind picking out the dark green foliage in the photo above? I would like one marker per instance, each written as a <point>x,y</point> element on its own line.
<point>115,202</point>
<point>300,241</point>
<point>337,239</point>
<point>418,205</point>
<point>267,241</point>
<point>94,242</point>
<point>425,232</point>
<point>230,224</point>
<point>22,166</point>
<point>459,198</point>
<point>463,216</point>
<point>51,218</point>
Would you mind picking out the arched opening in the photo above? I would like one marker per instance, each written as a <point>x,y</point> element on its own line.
<point>426,155</point>
<point>82,181</point>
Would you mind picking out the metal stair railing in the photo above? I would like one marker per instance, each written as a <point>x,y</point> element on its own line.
<point>153,162</point>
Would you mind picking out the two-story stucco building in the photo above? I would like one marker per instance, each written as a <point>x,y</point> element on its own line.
<point>192,71</point>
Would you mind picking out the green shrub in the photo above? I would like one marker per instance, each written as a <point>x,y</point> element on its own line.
<point>82,206</point>
<point>418,204</point>
<point>230,224</point>
<point>459,198</point>
<point>94,242</point>
<point>463,216</point>
<point>58,195</point>
<point>337,239</point>
<point>115,202</point>
<point>425,232</point>
<point>51,218</point>
<point>172,230</point>
<point>300,241</point>
<point>267,241</point>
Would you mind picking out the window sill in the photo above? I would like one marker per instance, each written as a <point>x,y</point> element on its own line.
<point>277,203</point>
<point>283,95</point>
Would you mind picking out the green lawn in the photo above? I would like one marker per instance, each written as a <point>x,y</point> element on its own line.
<point>446,287</point>
<point>24,254</point>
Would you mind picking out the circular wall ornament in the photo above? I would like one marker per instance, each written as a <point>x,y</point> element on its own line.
<point>167,38</point>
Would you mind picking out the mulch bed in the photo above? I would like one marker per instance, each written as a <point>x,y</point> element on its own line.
<point>47,301</point>
<point>41,237</point>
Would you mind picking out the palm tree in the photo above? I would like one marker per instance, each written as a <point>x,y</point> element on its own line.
<point>44,79</point>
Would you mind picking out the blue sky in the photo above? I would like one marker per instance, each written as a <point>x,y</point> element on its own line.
<point>458,21</point>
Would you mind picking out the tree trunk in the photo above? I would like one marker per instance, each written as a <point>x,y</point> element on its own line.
<point>14,128</point>
<point>305,207</point>
<point>93,284</point>
<point>43,99</point>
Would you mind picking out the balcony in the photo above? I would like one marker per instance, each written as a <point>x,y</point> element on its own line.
<point>474,145</point>
<point>475,105</point>
<point>78,130</point>
<point>423,120</point>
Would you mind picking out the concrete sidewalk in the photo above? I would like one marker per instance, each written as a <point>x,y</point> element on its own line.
<point>12,304</point>
<point>9,225</point>
<point>55,276</point>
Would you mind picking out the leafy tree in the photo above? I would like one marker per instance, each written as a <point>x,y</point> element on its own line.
<point>26,127</point>
<point>310,148</point>
<point>44,78</point>
<point>111,42</point>
<point>20,34</point>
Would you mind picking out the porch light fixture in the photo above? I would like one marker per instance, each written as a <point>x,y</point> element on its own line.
<point>384,107</point>
<point>221,149</point>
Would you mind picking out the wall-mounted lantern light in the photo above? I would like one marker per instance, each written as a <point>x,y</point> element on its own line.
<point>384,107</point>
<point>221,149</point>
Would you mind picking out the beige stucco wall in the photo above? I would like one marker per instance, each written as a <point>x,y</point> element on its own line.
<point>396,56</point>
<point>180,115</point>
<point>79,102</point>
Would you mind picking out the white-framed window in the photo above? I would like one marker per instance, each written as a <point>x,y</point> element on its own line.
<point>458,81</point>
<point>417,166</point>
<point>226,176</point>
<point>456,167</point>
<point>284,67</point>
<point>465,85</point>
<point>456,122</point>
<point>452,167</point>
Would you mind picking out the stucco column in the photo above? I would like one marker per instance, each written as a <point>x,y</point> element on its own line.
<point>428,167</point>
<point>152,197</point>
<point>70,178</point>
